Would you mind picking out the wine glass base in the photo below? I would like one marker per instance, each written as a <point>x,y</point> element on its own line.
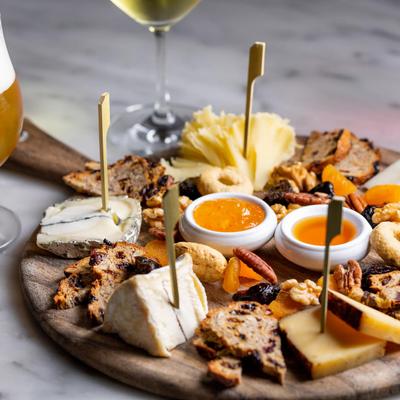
<point>134,131</point>
<point>10,227</point>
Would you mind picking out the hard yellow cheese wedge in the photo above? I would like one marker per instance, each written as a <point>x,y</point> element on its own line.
<point>339,348</point>
<point>363,318</point>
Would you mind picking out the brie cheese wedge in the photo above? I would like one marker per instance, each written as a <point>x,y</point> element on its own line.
<point>70,229</point>
<point>140,310</point>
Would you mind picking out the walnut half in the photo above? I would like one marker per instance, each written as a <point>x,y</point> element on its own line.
<point>306,293</point>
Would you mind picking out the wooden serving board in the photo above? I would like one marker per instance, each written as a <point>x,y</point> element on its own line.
<point>183,376</point>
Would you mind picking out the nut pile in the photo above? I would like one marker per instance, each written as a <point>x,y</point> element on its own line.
<point>300,179</point>
<point>305,293</point>
<point>154,213</point>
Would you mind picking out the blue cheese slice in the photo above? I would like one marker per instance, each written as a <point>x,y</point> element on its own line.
<point>71,228</point>
<point>140,310</point>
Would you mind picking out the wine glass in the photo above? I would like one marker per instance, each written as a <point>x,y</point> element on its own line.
<point>145,129</point>
<point>10,129</point>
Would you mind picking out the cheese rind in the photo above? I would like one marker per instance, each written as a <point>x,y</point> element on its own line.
<point>71,228</point>
<point>339,348</point>
<point>363,318</point>
<point>140,310</point>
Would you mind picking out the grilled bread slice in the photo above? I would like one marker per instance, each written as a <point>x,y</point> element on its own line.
<point>225,370</point>
<point>129,176</point>
<point>93,279</point>
<point>323,148</point>
<point>74,288</point>
<point>245,331</point>
<point>362,161</point>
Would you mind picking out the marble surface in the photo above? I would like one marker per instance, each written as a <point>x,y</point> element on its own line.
<point>330,63</point>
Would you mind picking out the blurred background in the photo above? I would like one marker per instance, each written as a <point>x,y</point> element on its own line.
<point>329,63</point>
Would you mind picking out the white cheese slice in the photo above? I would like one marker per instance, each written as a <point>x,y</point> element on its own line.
<point>389,176</point>
<point>141,313</point>
<point>271,141</point>
<point>71,228</point>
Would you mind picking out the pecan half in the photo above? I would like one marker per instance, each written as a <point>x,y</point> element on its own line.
<point>348,279</point>
<point>356,202</point>
<point>307,199</point>
<point>256,263</point>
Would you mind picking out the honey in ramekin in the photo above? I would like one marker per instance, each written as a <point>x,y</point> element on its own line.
<point>312,230</point>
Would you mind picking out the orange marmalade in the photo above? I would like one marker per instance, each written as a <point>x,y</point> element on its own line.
<point>312,230</point>
<point>228,215</point>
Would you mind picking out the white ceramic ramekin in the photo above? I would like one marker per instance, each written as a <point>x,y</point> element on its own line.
<point>312,256</point>
<point>251,239</point>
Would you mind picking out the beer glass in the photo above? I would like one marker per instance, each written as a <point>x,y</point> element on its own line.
<point>144,129</point>
<point>10,129</point>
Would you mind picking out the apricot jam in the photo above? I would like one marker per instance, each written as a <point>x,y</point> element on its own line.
<point>228,215</point>
<point>312,230</point>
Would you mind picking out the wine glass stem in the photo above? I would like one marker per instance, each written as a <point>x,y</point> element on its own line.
<point>162,114</point>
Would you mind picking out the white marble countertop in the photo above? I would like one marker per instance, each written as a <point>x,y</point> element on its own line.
<point>330,63</point>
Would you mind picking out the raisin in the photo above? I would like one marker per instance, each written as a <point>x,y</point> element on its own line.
<point>376,269</point>
<point>368,214</point>
<point>107,242</point>
<point>144,265</point>
<point>276,193</point>
<point>189,188</point>
<point>165,180</point>
<point>262,293</point>
<point>324,187</point>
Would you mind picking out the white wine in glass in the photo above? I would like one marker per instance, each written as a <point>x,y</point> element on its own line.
<point>10,129</point>
<point>145,129</point>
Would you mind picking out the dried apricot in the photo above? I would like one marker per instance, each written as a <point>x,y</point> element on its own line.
<point>331,283</point>
<point>283,305</point>
<point>341,184</point>
<point>157,249</point>
<point>231,281</point>
<point>382,194</point>
<point>248,273</point>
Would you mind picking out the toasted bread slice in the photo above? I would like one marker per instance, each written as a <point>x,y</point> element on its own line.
<point>245,331</point>
<point>129,176</point>
<point>225,370</point>
<point>362,161</point>
<point>323,148</point>
<point>74,289</point>
<point>93,279</point>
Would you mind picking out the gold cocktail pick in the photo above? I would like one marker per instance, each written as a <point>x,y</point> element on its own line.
<point>103,108</point>
<point>256,69</point>
<point>333,228</point>
<point>171,217</point>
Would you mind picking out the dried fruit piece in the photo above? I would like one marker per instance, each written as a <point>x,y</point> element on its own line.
<point>295,296</point>
<point>247,272</point>
<point>284,305</point>
<point>341,184</point>
<point>276,193</point>
<point>368,214</point>
<point>324,187</point>
<point>331,283</point>
<point>189,189</point>
<point>263,293</point>
<point>231,281</point>
<point>157,249</point>
<point>382,194</point>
